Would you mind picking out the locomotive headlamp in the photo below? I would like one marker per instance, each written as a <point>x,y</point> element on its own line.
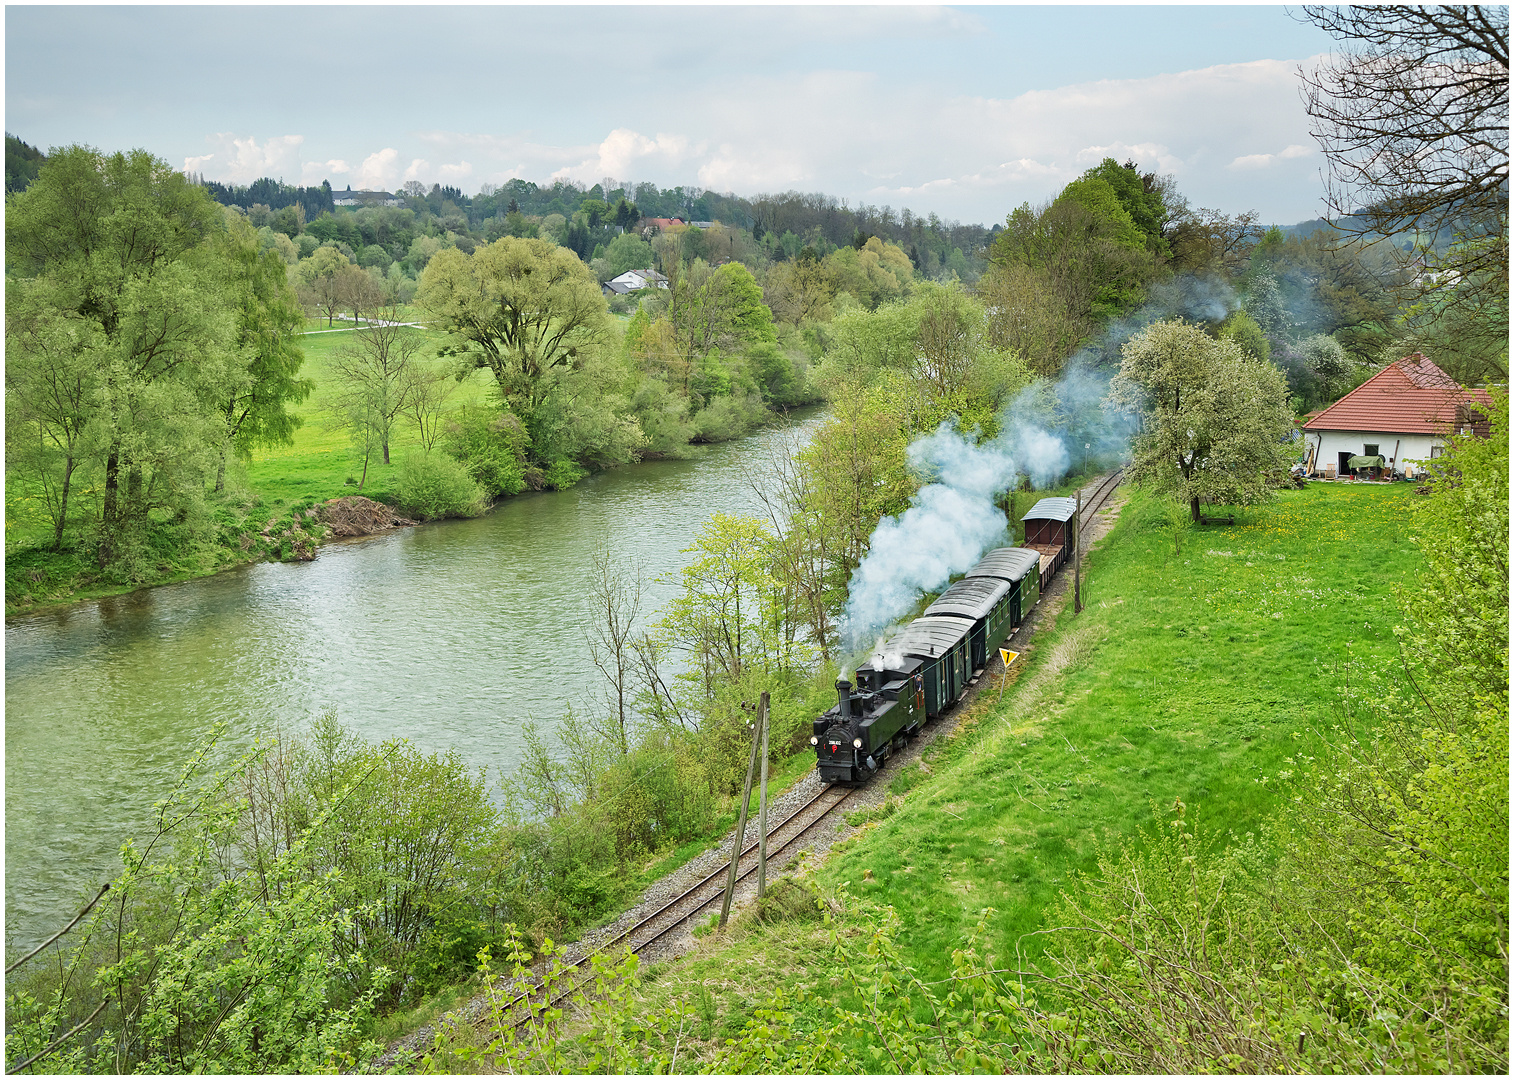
<point>814,740</point>
<point>857,744</point>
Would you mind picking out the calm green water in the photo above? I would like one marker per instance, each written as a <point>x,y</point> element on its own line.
<point>450,635</point>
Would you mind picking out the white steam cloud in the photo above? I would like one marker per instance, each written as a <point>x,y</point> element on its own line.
<point>954,518</point>
<point>951,522</point>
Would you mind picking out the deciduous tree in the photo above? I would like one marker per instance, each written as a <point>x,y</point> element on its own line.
<point>119,243</point>
<point>1213,420</point>
<point>524,309</point>
<point>269,325</point>
<point>1413,118</point>
<point>374,379</point>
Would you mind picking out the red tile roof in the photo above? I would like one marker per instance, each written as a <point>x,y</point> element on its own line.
<point>1411,395</point>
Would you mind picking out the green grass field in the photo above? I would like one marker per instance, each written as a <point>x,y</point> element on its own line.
<point>322,460</point>
<point>1199,677</point>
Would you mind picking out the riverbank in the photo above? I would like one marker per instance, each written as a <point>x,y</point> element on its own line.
<point>247,532</point>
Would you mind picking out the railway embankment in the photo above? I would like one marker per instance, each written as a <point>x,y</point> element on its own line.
<point>673,916</point>
<point>1193,687</point>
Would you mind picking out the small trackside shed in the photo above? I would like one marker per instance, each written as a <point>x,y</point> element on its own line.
<point>1051,528</point>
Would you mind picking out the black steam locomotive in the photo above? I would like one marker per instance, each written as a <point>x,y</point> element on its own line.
<point>923,670</point>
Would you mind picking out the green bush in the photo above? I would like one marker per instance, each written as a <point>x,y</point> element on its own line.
<point>491,444</point>
<point>729,416</point>
<point>435,486</point>
<point>563,474</point>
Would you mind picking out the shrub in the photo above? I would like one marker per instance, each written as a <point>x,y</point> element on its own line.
<point>490,444</point>
<point>435,486</point>
<point>729,416</point>
<point>563,474</point>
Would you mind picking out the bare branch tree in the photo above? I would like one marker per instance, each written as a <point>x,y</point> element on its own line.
<point>1414,120</point>
<point>374,378</point>
<point>615,600</point>
<point>429,393</point>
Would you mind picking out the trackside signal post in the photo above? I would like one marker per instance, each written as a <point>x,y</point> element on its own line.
<point>1008,658</point>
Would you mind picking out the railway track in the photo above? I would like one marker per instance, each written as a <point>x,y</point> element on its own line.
<point>699,896</point>
<point>1099,497</point>
<point>688,904</point>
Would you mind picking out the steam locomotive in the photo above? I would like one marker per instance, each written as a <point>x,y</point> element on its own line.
<point>925,668</point>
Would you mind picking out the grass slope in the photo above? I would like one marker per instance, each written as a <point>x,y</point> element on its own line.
<point>1199,677</point>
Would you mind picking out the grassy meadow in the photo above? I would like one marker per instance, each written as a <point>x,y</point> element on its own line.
<point>1203,676</point>
<point>322,461</point>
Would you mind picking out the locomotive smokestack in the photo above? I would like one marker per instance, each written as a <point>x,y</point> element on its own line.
<point>844,698</point>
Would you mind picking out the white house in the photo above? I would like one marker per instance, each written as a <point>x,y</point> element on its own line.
<point>632,280</point>
<point>365,198</point>
<point>1403,413</point>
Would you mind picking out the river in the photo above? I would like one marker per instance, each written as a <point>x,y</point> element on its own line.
<point>451,635</point>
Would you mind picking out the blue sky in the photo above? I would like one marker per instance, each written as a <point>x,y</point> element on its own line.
<point>963,111</point>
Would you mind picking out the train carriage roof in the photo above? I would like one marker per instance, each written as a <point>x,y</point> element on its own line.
<point>1009,563</point>
<point>927,637</point>
<point>971,598</point>
<point>1052,509</point>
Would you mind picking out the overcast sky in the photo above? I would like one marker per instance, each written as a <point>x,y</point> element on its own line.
<point>965,111</point>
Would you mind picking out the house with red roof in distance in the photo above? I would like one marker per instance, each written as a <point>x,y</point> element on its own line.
<point>663,224</point>
<point>1403,414</point>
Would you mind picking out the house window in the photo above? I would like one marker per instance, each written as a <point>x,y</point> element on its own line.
<point>1369,449</point>
<point>1435,451</point>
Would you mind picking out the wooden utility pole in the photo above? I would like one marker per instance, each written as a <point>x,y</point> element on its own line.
<point>746,797</point>
<point>1077,556</point>
<point>762,802</point>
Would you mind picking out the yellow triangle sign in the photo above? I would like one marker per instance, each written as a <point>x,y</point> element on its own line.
<point>1009,657</point>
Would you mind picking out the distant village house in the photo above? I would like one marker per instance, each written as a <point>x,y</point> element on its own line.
<point>365,198</point>
<point>632,280</point>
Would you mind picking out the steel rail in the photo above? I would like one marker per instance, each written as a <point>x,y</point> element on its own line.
<point>749,871</point>
<point>681,897</point>
<point>1101,496</point>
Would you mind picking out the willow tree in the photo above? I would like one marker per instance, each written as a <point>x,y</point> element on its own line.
<point>1214,421</point>
<point>533,315</point>
<point>113,259</point>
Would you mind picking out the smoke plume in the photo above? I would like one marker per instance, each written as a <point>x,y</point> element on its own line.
<point>1043,432</point>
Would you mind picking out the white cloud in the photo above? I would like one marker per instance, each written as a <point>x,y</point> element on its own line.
<point>1262,161</point>
<point>377,170</point>
<point>903,143</point>
<point>313,172</point>
<point>240,160</point>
